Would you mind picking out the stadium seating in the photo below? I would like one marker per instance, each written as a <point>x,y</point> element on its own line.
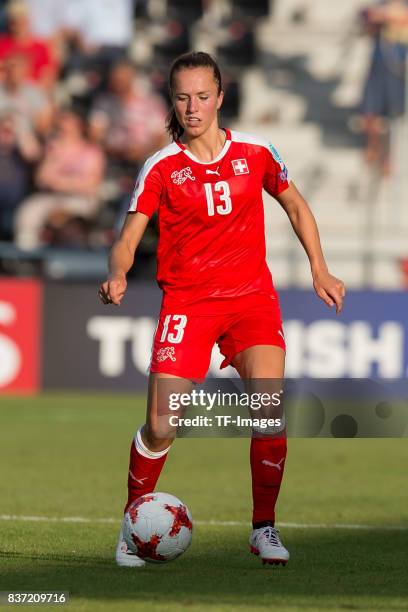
<point>175,41</point>
<point>304,95</point>
<point>185,9</point>
<point>238,50</point>
<point>251,8</point>
<point>296,77</point>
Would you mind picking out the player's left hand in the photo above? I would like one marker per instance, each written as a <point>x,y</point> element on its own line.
<point>330,289</point>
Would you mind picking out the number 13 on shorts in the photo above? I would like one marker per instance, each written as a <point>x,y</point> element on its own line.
<point>173,328</point>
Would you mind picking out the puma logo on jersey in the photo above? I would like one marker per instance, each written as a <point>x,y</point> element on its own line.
<point>275,465</point>
<point>214,171</point>
<point>180,176</point>
<point>167,352</point>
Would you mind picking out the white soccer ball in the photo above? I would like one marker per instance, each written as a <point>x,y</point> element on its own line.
<point>158,527</point>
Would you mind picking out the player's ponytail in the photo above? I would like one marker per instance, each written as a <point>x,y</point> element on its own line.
<point>172,125</point>
<point>195,59</point>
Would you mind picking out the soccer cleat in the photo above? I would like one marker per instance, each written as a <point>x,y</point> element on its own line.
<point>266,543</point>
<point>124,556</point>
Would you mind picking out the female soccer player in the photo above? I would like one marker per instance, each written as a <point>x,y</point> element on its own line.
<point>207,188</point>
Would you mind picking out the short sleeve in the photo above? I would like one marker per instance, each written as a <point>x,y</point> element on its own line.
<point>148,190</point>
<point>276,178</point>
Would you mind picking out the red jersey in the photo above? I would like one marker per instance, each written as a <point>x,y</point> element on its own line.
<point>211,218</point>
<point>36,51</point>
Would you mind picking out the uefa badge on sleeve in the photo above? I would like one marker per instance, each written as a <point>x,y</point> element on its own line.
<point>240,166</point>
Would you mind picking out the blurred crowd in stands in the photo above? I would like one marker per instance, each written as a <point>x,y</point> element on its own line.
<point>384,99</point>
<point>76,119</point>
<point>80,110</point>
<point>78,116</point>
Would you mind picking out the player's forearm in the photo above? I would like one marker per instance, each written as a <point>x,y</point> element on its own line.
<point>123,251</point>
<point>305,227</point>
<point>120,259</point>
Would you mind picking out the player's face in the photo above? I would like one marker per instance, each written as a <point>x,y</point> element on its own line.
<point>196,99</point>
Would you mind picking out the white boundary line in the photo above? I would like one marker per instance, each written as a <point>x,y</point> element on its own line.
<point>83,519</point>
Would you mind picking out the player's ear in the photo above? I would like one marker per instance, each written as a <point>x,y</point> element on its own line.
<point>220,100</point>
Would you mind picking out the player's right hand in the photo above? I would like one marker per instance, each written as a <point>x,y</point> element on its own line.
<point>113,290</point>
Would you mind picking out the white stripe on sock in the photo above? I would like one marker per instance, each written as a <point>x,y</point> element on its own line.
<point>146,452</point>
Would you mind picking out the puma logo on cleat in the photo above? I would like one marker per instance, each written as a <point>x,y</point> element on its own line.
<point>275,465</point>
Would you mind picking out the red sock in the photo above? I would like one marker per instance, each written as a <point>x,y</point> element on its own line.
<point>267,464</point>
<point>144,469</point>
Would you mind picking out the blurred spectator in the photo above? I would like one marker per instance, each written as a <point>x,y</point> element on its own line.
<point>384,92</point>
<point>23,98</point>
<point>47,19</point>
<point>128,122</point>
<point>42,67</point>
<point>69,180</point>
<point>19,149</point>
<point>100,32</point>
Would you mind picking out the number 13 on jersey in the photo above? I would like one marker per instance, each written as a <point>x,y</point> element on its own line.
<point>223,188</point>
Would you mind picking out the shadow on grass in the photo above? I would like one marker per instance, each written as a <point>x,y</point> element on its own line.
<point>343,564</point>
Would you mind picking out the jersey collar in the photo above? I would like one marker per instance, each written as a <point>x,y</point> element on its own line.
<point>221,154</point>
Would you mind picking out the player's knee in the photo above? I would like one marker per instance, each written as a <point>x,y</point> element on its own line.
<point>155,438</point>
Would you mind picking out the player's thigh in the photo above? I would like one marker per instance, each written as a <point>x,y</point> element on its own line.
<point>181,355</point>
<point>262,369</point>
<point>183,343</point>
<point>163,391</point>
<point>260,361</point>
<point>254,343</point>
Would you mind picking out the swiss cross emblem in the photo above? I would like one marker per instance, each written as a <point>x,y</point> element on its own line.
<point>240,166</point>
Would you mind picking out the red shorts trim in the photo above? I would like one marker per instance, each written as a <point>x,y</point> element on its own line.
<point>183,342</point>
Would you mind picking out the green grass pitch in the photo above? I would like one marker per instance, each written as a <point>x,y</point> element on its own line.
<point>65,455</point>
